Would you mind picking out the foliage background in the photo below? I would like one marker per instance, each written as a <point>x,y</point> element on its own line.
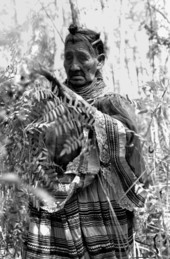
<point>137,40</point>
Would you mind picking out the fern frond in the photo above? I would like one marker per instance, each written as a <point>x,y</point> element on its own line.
<point>73,143</point>
<point>53,114</point>
<point>34,114</point>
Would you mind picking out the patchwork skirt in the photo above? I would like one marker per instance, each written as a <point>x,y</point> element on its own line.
<point>89,226</point>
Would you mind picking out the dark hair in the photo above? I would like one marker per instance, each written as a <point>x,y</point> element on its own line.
<point>80,34</point>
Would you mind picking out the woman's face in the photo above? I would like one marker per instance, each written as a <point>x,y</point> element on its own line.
<point>79,63</point>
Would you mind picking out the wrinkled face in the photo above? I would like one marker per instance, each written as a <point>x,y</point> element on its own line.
<point>79,63</point>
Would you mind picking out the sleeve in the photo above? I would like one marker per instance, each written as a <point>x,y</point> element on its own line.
<point>117,173</point>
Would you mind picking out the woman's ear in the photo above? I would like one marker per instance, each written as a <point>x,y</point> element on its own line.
<point>101,60</point>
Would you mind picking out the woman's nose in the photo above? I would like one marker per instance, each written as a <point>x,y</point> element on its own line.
<point>75,65</point>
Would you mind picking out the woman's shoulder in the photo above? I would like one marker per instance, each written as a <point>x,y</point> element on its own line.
<point>116,98</point>
<point>118,106</point>
<point>114,101</point>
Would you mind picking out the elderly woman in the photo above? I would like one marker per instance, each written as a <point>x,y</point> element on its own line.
<point>96,221</point>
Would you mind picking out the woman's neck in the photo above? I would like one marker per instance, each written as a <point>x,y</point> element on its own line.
<point>90,91</point>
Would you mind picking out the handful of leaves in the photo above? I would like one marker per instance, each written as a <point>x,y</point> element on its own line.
<point>45,130</point>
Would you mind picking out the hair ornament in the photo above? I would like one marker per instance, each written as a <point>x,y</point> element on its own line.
<point>73,29</point>
<point>97,40</point>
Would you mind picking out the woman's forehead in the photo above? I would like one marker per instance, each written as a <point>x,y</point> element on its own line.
<point>78,46</point>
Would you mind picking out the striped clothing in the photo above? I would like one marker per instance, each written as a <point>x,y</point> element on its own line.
<point>97,220</point>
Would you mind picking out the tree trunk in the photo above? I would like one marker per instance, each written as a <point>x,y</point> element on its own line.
<point>15,12</point>
<point>74,12</point>
<point>123,5</point>
<point>59,40</point>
